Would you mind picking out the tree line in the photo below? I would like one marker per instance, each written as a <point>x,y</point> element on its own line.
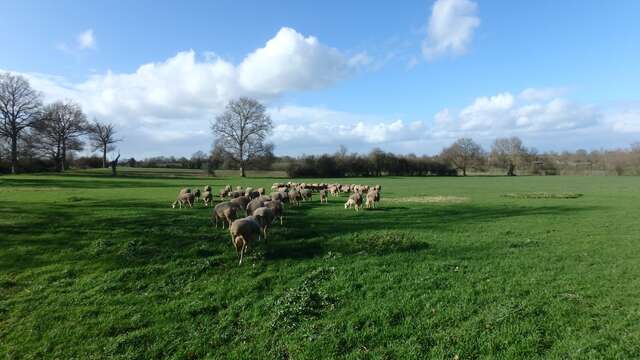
<point>36,137</point>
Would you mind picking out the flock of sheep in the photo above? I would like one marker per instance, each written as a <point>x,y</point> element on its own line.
<point>261,210</point>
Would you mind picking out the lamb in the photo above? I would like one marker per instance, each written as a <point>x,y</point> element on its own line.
<point>254,204</point>
<point>225,212</point>
<point>207,198</point>
<point>243,232</point>
<point>323,196</point>
<point>197,194</point>
<point>260,190</point>
<point>276,207</point>
<point>207,188</point>
<point>254,194</point>
<point>184,198</point>
<point>306,194</point>
<point>248,191</point>
<point>185,190</point>
<point>372,198</point>
<point>355,200</point>
<point>265,217</point>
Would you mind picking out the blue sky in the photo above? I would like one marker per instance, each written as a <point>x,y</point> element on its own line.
<point>409,78</point>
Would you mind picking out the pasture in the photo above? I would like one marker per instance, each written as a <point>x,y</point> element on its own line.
<point>480,267</point>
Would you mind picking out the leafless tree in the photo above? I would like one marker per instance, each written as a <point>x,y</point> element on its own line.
<point>19,109</point>
<point>58,130</point>
<point>102,136</point>
<point>464,154</point>
<point>508,153</point>
<point>242,129</point>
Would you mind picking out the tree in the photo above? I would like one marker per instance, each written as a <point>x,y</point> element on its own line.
<point>19,109</point>
<point>58,131</point>
<point>464,153</point>
<point>242,129</point>
<point>102,137</point>
<point>114,165</point>
<point>508,153</point>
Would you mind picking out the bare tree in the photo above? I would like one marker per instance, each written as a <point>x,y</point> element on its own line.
<point>102,136</point>
<point>242,129</point>
<point>508,153</point>
<point>19,109</point>
<point>464,153</point>
<point>58,131</point>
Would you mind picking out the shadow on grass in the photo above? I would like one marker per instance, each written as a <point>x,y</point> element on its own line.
<point>119,232</point>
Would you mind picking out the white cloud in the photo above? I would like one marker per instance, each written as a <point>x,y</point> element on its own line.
<point>450,28</point>
<point>625,120</point>
<point>290,61</point>
<point>297,126</point>
<point>541,94</point>
<point>184,86</point>
<point>86,40</point>
<point>523,114</point>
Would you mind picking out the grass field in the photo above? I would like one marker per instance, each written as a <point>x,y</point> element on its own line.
<point>478,267</point>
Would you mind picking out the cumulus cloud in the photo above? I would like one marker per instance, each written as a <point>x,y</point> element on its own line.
<point>86,40</point>
<point>290,61</point>
<point>183,93</point>
<point>185,86</point>
<point>297,126</point>
<point>531,111</point>
<point>450,28</point>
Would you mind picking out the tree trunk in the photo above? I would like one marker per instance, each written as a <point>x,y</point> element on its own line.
<point>242,171</point>
<point>511,171</point>
<point>464,171</point>
<point>63,157</point>
<point>104,157</point>
<point>14,154</point>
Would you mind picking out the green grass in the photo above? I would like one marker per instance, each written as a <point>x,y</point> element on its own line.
<point>100,267</point>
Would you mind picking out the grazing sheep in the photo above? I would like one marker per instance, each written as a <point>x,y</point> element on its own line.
<point>248,191</point>
<point>306,194</point>
<point>323,196</point>
<point>276,207</point>
<point>276,195</point>
<point>184,198</point>
<point>239,188</point>
<point>355,200</point>
<point>185,190</point>
<point>377,188</point>
<point>372,198</point>
<point>244,232</point>
<point>254,204</point>
<point>260,190</point>
<point>225,212</point>
<point>197,194</point>
<point>223,193</point>
<point>207,188</point>
<point>235,194</point>
<point>207,198</point>
<point>265,217</point>
<point>241,201</point>
<point>295,197</point>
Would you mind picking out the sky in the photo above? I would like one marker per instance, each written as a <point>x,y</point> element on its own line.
<point>407,77</point>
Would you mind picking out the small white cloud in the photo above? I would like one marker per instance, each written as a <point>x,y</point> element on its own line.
<point>86,40</point>
<point>450,28</point>
<point>541,94</point>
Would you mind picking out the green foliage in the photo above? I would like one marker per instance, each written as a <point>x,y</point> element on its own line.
<point>444,267</point>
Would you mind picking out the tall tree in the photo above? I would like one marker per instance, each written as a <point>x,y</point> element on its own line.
<point>242,130</point>
<point>102,136</point>
<point>463,154</point>
<point>508,153</point>
<point>59,129</point>
<point>19,109</point>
